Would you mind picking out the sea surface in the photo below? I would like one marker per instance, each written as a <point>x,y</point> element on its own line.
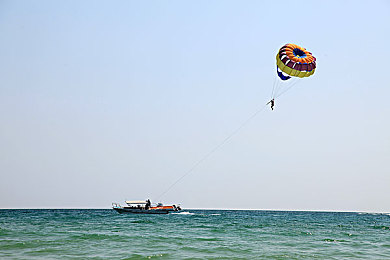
<point>192,234</point>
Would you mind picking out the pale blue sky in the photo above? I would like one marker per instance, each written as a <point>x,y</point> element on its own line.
<point>104,101</point>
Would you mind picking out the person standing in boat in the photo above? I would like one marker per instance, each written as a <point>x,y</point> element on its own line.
<point>147,206</point>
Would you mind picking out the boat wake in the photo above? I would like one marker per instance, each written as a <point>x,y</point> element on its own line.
<point>183,213</point>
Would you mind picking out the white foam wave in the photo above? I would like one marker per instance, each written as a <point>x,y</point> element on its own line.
<point>184,213</point>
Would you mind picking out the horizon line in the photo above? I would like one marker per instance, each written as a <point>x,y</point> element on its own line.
<point>237,209</point>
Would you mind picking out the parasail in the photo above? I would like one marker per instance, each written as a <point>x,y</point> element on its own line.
<point>294,61</point>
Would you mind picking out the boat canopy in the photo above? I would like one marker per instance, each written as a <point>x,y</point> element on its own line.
<point>135,202</point>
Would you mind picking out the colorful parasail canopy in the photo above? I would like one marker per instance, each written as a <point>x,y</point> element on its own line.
<point>294,61</point>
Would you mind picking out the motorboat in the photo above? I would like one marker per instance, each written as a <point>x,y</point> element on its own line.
<point>144,207</point>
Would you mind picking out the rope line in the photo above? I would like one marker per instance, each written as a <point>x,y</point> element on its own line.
<point>273,88</point>
<point>274,94</point>
<point>206,156</point>
<point>288,88</point>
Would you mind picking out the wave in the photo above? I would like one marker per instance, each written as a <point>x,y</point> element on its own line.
<point>334,240</point>
<point>139,256</point>
<point>142,221</point>
<point>382,227</point>
<point>184,213</point>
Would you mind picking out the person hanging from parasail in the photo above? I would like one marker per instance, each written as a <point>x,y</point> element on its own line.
<point>272,102</point>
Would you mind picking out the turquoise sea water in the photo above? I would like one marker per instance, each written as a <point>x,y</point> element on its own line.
<point>193,234</point>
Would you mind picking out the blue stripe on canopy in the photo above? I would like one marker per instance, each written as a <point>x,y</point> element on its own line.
<point>281,76</point>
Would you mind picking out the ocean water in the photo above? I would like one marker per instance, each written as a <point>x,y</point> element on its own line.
<point>193,234</point>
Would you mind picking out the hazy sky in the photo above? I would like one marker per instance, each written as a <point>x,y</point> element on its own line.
<point>105,101</point>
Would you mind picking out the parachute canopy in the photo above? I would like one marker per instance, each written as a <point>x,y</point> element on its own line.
<point>294,61</point>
